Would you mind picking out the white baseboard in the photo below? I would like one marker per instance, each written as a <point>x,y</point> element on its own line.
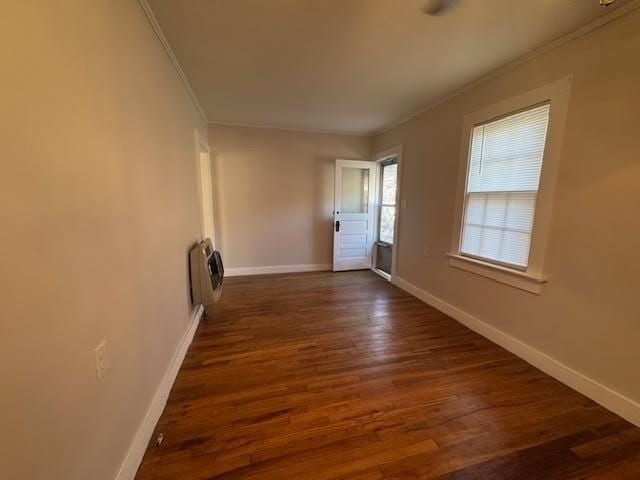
<point>601,394</point>
<point>136,451</point>
<point>384,275</point>
<point>264,270</point>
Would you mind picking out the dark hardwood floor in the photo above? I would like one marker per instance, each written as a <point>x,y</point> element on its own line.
<point>322,375</point>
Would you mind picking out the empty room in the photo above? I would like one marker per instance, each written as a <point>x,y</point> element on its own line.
<point>320,239</point>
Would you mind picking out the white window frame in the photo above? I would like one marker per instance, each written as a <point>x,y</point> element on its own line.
<point>532,277</point>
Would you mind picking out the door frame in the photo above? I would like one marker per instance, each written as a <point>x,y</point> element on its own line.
<point>371,205</point>
<point>379,158</point>
<point>202,148</point>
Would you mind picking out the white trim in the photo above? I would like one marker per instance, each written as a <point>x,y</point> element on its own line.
<point>599,393</point>
<point>580,32</point>
<point>266,270</point>
<point>203,147</point>
<point>201,141</point>
<point>382,273</point>
<point>557,95</point>
<point>140,442</point>
<point>146,8</point>
<point>395,151</point>
<point>508,276</point>
<point>584,30</point>
<point>292,129</point>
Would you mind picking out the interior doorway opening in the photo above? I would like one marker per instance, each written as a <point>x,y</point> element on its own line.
<point>205,177</point>
<point>354,215</point>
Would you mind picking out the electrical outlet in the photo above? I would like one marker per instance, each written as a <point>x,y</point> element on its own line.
<point>102,360</point>
<point>425,250</point>
<point>403,204</point>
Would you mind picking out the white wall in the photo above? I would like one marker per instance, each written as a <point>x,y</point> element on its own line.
<point>98,207</point>
<point>588,316</point>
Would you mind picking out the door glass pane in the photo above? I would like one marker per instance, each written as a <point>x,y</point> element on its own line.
<point>355,190</point>
<point>387,221</point>
<point>388,186</point>
<point>389,181</point>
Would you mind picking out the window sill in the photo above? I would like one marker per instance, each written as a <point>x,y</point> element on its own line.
<point>522,280</point>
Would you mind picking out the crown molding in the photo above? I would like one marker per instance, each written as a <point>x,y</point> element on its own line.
<point>584,30</point>
<point>146,8</point>
<point>294,129</point>
<point>580,32</point>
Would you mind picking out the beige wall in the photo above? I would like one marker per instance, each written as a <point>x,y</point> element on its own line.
<point>98,207</point>
<point>274,193</point>
<point>588,315</point>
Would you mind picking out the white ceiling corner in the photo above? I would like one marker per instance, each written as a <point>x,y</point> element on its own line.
<point>351,66</point>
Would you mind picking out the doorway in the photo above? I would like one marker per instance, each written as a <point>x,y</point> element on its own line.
<point>205,177</point>
<point>354,214</point>
<point>387,212</point>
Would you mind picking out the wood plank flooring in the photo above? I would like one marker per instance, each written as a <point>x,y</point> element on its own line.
<point>344,376</point>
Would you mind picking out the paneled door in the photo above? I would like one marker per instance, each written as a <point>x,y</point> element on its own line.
<point>353,215</point>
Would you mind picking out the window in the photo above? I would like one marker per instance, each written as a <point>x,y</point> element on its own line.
<point>388,185</point>
<point>505,162</point>
<point>508,167</point>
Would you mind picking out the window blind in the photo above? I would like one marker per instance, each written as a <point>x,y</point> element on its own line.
<point>503,176</point>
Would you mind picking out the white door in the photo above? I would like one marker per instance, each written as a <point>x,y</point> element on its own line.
<point>353,215</point>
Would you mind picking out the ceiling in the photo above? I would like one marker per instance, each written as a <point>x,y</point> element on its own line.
<point>352,66</point>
